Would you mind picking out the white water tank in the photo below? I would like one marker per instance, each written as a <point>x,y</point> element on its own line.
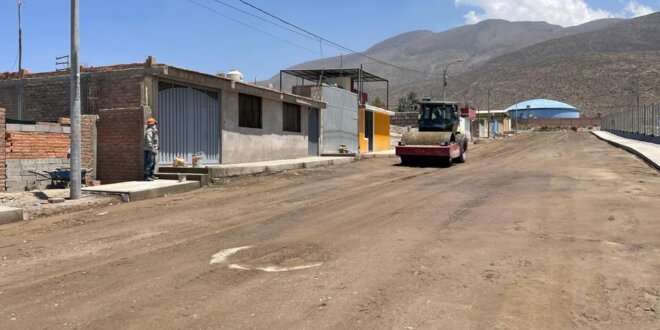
<point>235,75</point>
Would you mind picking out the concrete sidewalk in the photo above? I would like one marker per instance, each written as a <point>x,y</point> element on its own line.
<point>140,190</point>
<point>378,154</point>
<point>273,166</point>
<point>650,152</point>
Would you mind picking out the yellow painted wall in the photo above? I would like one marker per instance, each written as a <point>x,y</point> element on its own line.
<point>364,144</point>
<point>381,132</point>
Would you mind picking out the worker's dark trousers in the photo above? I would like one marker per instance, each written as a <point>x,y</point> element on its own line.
<point>149,164</point>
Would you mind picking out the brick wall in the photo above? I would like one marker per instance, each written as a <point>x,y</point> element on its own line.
<point>120,145</point>
<point>30,150</point>
<point>88,145</point>
<point>47,98</point>
<point>404,119</point>
<point>36,145</point>
<point>566,123</point>
<point>3,165</point>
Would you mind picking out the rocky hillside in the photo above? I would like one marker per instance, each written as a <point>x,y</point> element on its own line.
<point>588,65</point>
<point>591,70</point>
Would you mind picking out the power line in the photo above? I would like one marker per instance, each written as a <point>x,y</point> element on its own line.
<point>263,19</point>
<point>252,27</point>
<point>333,43</point>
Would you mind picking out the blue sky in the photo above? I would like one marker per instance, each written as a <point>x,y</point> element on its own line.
<point>182,33</point>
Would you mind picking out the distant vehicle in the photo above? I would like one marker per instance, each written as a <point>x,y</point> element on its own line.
<point>439,138</point>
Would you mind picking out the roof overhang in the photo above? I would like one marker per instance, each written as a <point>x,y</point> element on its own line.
<point>467,112</point>
<point>377,110</point>
<point>213,81</point>
<point>316,74</point>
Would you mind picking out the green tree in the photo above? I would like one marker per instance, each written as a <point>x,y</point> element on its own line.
<point>408,103</point>
<point>377,102</point>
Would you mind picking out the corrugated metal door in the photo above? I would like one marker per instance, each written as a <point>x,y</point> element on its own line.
<point>313,132</point>
<point>189,121</point>
<point>340,120</point>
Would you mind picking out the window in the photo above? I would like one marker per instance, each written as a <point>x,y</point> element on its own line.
<point>291,117</point>
<point>249,111</point>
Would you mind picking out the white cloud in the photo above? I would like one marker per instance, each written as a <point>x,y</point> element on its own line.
<point>635,9</point>
<point>561,12</point>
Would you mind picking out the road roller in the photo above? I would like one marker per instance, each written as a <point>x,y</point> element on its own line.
<point>439,139</point>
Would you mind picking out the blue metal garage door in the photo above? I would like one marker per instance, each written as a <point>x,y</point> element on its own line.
<point>189,120</point>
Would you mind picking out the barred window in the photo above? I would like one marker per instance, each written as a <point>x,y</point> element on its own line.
<point>249,111</point>
<point>290,117</point>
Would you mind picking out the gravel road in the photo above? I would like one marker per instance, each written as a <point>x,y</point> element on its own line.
<point>541,231</point>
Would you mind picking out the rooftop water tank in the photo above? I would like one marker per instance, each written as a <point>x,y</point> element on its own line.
<point>235,75</point>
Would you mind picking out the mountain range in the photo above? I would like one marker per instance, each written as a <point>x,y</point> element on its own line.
<point>591,66</point>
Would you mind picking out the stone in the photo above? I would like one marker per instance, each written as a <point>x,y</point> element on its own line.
<point>10,214</point>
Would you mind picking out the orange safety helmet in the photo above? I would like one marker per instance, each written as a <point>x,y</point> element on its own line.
<point>151,121</point>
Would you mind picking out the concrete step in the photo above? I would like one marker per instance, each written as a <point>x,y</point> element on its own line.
<point>204,179</point>
<point>140,190</point>
<point>10,214</point>
<point>196,170</point>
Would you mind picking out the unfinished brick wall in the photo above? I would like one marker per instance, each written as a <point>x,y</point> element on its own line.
<point>31,150</point>
<point>3,165</point>
<point>36,145</point>
<point>404,119</point>
<point>558,122</point>
<point>46,98</point>
<point>88,143</point>
<point>119,149</point>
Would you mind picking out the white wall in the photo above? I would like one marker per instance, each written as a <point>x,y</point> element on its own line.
<point>242,144</point>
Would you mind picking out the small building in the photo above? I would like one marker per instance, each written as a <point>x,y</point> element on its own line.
<point>227,120</point>
<point>498,120</point>
<point>350,123</point>
<point>542,109</point>
<point>374,128</point>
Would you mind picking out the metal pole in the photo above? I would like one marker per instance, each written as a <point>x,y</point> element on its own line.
<point>488,106</point>
<point>359,88</point>
<point>444,79</point>
<point>19,96</point>
<point>75,105</point>
<point>387,102</point>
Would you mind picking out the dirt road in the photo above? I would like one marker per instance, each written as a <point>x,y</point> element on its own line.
<point>554,231</point>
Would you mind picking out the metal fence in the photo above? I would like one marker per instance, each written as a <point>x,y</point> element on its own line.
<point>644,121</point>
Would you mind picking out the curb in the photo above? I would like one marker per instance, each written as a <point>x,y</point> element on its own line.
<point>630,150</point>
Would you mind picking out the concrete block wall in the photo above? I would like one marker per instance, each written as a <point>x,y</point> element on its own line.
<point>27,151</point>
<point>557,122</point>
<point>29,174</point>
<point>119,151</point>
<point>404,119</point>
<point>3,165</point>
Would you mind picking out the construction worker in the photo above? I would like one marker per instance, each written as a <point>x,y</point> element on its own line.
<point>150,149</point>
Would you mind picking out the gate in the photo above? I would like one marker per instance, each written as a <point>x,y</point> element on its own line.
<point>313,132</point>
<point>189,122</point>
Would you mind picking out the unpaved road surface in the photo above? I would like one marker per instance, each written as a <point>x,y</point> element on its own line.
<point>544,231</point>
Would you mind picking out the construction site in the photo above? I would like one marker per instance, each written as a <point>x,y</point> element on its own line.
<point>497,174</point>
<point>546,230</point>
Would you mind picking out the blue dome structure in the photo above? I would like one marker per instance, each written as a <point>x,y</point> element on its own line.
<point>542,108</point>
